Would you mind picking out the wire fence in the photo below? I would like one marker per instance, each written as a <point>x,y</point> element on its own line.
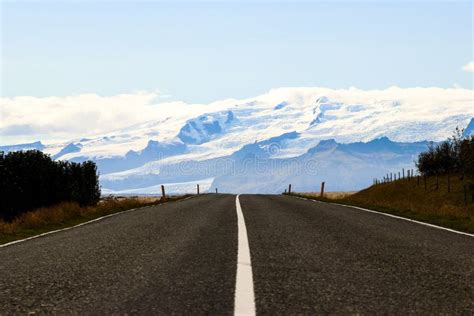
<point>432,183</point>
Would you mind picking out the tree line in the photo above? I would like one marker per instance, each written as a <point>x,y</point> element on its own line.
<point>454,155</point>
<point>31,179</point>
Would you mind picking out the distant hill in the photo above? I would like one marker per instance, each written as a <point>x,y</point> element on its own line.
<point>469,130</point>
<point>253,169</point>
<point>28,146</point>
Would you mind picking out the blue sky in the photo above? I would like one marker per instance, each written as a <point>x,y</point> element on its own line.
<point>200,52</point>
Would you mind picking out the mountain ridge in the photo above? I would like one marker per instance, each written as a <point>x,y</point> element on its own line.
<point>287,125</point>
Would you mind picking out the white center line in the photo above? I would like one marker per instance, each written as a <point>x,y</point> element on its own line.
<point>244,296</point>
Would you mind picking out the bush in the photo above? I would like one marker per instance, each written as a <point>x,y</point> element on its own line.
<point>454,155</point>
<point>31,179</point>
<point>466,156</point>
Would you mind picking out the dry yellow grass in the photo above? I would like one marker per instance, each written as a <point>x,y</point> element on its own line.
<point>39,217</point>
<point>64,214</point>
<point>410,199</point>
<point>329,195</point>
<point>408,195</point>
<point>144,199</point>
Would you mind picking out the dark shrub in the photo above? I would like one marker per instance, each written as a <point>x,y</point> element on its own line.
<point>455,155</point>
<point>31,179</point>
<point>466,156</point>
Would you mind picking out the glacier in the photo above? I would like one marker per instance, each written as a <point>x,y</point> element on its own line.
<point>302,136</point>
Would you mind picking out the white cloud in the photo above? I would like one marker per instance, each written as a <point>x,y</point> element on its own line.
<point>469,67</point>
<point>62,118</point>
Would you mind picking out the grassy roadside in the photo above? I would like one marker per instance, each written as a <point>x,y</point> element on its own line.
<point>68,214</point>
<point>410,199</point>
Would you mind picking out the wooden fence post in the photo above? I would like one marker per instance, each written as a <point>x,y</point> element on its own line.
<point>197,186</point>
<point>403,173</point>
<point>216,190</point>
<point>163,194</point>
<point>322,189</point>
<point>289,189</point>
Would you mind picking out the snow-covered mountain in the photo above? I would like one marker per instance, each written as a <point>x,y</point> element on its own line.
<point>469,130</point>
<point>297,135</point>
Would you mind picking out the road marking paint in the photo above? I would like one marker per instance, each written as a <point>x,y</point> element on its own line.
<point>67,228</point>
<point>302,198</point>
<point>189,197</point>
<point>78,225</point>
<point>244,296</point>
<point>400,217</point>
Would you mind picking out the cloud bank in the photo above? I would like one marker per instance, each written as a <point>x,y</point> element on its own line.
<point>24,119</point>
<point>62,119</point>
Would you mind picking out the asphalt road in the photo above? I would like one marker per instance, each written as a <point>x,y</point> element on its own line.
<point>181,258</point>
<point>176,257</point>
<point>310,257</point>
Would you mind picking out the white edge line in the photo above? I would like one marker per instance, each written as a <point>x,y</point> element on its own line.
<point>244,303</point>
<point>81,224</point>
<point>393,216</point>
